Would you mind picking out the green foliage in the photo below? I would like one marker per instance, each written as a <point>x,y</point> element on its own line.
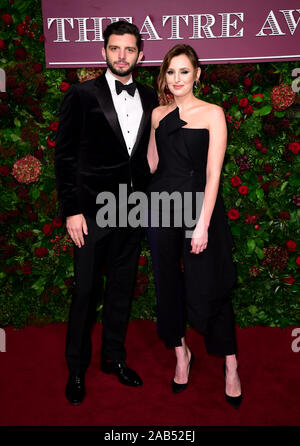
<point>36,286</point>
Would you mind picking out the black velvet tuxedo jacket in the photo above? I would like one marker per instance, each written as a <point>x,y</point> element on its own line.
<point>90,154</point>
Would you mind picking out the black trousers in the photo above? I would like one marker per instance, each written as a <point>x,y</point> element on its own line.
<point>180,297</point>
<point>118,250</point>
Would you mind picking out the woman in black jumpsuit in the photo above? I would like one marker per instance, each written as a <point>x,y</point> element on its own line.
<point>179,158</point>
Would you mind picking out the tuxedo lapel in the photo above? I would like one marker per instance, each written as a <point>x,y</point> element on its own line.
<point>104,98</point>
<point>146,116</point>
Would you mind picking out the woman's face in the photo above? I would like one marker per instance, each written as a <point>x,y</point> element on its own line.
<point>180,75</point>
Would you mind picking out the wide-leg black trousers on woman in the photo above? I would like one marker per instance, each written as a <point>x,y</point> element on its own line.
<point>198,293</point>
<point>118,249</point>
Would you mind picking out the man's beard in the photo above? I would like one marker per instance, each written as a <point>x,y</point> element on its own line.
<point>121,73</point>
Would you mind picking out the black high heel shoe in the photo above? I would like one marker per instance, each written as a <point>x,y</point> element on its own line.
<point>177,388</point>
<point>234,401</point>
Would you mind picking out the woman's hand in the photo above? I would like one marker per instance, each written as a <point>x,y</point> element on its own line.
<point>199,240</point>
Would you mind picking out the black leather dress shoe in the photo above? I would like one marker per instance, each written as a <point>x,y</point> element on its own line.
<point>75,390</point>
<point>126,376</point>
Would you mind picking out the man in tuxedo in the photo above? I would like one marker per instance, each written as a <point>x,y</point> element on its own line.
<point>102,142</point>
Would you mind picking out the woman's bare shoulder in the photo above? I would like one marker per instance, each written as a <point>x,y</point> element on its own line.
<point>209,107</point>
<point>159,113</point>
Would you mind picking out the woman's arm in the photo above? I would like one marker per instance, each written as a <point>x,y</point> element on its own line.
<point>215,158</point>
<point>152,154</point>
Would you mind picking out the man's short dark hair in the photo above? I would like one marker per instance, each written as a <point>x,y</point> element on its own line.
<point>121,28</point>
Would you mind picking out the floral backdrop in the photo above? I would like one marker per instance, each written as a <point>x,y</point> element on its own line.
<point>260,182</point>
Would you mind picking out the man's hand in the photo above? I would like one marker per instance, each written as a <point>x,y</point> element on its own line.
<point>76,225</point>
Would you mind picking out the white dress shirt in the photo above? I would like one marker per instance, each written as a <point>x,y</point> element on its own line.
<point>129,110</point>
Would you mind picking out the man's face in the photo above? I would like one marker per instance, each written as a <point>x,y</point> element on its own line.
<point>121,54</point>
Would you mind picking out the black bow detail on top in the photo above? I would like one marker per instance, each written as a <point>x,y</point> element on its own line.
<point>130,88</point>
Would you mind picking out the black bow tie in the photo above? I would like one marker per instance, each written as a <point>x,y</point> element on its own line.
<point>130,88</point>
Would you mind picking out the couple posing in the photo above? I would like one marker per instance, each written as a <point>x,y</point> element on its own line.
<point>111,132</point>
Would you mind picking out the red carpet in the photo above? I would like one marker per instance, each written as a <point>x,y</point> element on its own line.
<point>33,375</point>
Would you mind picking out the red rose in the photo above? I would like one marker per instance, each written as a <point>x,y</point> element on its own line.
<point>291,245</point>
<point>21,30</point>
<point>251,219</point>
<point>9,250</point>
<point>37,67</point>
<point>2,44</point>
<point>50,143</point>
<point>23,235</point>
<point>233,214</point>
<point>41,252</point>
<point>54,126</point>
<point>4,171</point>
<point>247,82</point>
<point>268,168</point>
<point>33,216</point>
<point>284,215</point>
<point>47,229</point>
<point>237,124</point>
<point>264,150</point>
<point>213,77</point>
<point>64,86</point>
<point>265,187</point>
<point>236,181</point>
<point>229,118</point>
<point>7,19</point>
<point>142,260</point>
<point>289,280</point>
<point>294,147</point>
<point>248,110</point>
<point>20,53</point>
<point>298,261</point>
<point>243,102</point>
<point>259,177</point>
<point>57,222</point>
<point>206,89</point>
<point>243,190</point>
